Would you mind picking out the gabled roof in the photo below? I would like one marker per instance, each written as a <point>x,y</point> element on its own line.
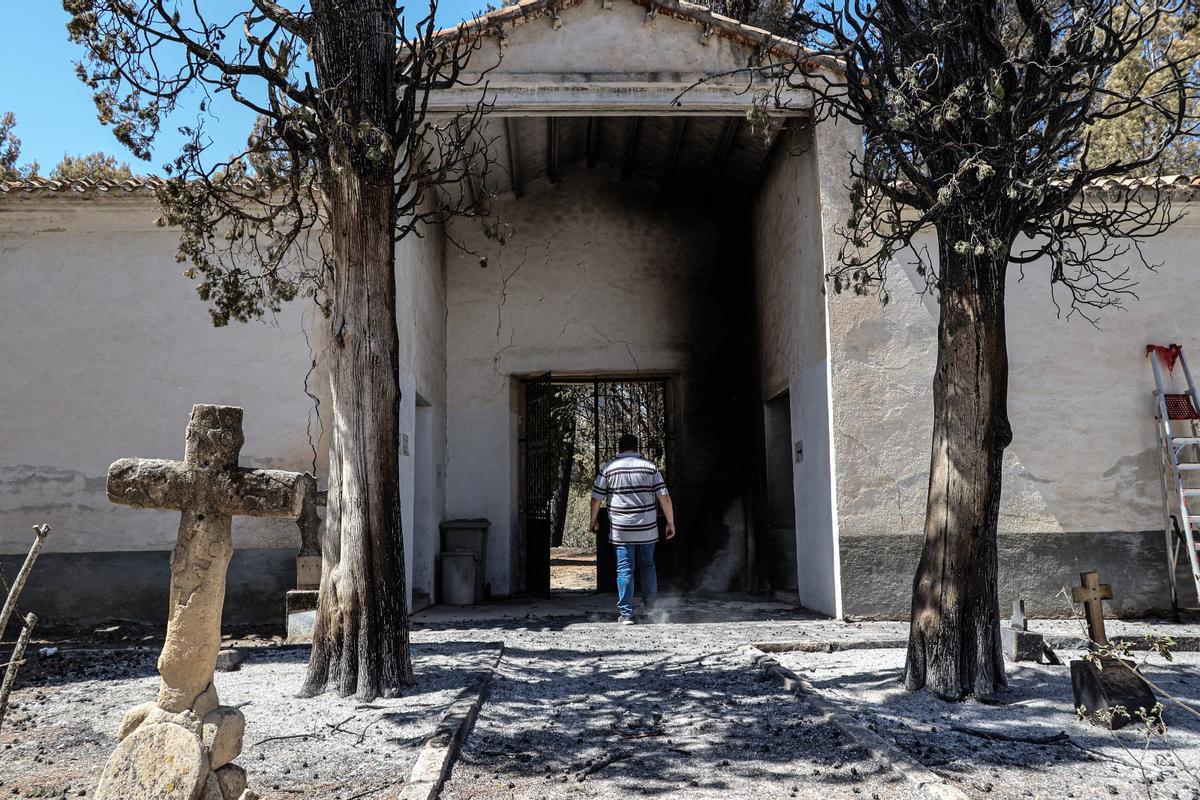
<point>710,23</point>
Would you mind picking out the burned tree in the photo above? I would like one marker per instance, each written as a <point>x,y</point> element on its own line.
<point>978,123</point>
<point>343,162</point>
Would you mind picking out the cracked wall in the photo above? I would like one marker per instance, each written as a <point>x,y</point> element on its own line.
<point>1081,488</point>
<point>105,349</point>
<point>421,324</point>
<point>600,277</point>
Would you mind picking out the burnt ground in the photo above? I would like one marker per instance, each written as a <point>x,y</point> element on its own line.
<point>583,708</point>
<point>62,721</point>
<point>1089,762</point>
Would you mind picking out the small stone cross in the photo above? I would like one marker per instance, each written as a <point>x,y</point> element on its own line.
<point>1019,621</point>
<point>1091,592</point>
<point>209,488</point>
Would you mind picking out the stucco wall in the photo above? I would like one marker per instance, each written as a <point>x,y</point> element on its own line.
<point>596,277</point>
<point>1080,479</point>
<point>421,324</point>
<point>793,228</point>
<point>105,349</point>
<point>619,59</point>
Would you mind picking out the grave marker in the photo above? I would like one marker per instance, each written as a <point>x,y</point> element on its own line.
<point>181,745</point>
<point>1018,642</point>
<point>1108,691</point>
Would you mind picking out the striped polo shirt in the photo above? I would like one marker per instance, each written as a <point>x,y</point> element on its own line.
<point>630,485</point>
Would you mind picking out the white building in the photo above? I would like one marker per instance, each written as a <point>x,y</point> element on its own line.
<point>646,241</point>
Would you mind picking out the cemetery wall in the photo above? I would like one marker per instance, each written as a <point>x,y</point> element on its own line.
<point>1081,486</point>
<point>105,348</point>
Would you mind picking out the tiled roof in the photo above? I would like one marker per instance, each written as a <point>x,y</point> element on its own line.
<point>45,186</point>
<point>1185,187</point>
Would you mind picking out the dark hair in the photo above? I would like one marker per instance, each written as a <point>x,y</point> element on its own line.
<point>628,442</point>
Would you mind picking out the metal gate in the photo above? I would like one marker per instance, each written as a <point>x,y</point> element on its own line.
<point>540,462</point>
<point>567,418</point>
<point>637,407</point>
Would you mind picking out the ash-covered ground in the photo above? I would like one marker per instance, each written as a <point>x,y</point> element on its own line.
<point>951,739</point>
<point>583,708</point>
<point>62,722</point>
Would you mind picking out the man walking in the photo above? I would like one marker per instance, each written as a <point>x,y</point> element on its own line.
<point>632,487</point>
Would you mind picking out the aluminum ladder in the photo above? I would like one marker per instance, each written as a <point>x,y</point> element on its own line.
<point>1177,422</point>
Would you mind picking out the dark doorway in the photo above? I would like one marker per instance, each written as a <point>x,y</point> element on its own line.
<point>571,427</point>
<point>780,564</point>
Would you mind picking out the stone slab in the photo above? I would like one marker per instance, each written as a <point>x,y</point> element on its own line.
<point>230,660</point>
<point>300,625</point>
<point>1103,690</point>
<point>1021,645</point>
<point>308,572</point>
<point>162,761</point>
<point>437,755</point>
<point>301,600</point>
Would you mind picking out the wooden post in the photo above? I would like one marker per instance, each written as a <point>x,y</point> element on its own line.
<point>10,603</point>
<point>18,656</point>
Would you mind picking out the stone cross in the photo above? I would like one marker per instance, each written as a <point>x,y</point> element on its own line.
<point>1091,592</point>
<point>1019,621</point>
<point>209,489</point>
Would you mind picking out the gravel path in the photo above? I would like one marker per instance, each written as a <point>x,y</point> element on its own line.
<point>61,724</point>
<point>585,708</point>
<point>1093,764</point>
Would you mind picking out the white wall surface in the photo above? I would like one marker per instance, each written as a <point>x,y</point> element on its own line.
<point>793,223</point>
<point>596,277</point>
<point>1083,453</point>
<point>104,348</point>
<point>421,324</point>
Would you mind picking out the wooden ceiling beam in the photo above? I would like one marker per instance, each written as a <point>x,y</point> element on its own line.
<point>552,149</point>
<point>593,141</point>
<point>631,148</point>
<point>514,156</point>
<point>722,155</point>
<point>673,152</point>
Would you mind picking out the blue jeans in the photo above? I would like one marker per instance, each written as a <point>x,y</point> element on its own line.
<point>627,556</point>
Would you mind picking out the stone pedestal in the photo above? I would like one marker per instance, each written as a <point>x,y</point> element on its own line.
<point>1021,645</point>
<point>308,572</point>
<point>1099,689</point>
<point>301,615</point>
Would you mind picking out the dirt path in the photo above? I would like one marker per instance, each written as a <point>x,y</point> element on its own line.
<point>589,709</point>
<point>572,569</point>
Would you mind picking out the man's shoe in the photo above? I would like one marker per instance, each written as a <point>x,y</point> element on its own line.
<point>625,619</point>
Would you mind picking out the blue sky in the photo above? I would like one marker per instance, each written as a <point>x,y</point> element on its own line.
<point>54,111</point>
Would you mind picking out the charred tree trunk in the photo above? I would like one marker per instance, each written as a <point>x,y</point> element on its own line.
<point>360,642</point>
<point>954,641</point>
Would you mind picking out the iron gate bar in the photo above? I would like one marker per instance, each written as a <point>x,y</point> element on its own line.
<point>554,410</point>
